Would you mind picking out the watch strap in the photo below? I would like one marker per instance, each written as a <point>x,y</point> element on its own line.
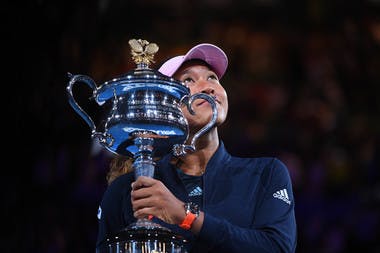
<point>188,221</point>
<point>192,212</point>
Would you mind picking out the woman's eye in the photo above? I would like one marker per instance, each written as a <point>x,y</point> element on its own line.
<point>187,80</point>
<point>213,77</point>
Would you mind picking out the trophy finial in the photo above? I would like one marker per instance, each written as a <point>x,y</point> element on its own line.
<point>142,51</point>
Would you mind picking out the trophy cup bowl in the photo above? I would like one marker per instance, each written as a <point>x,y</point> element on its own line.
<point>144,122</point>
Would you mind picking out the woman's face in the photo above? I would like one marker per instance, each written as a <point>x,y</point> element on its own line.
<point>200,78</point>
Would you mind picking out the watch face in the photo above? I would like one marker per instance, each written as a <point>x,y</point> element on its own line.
<point>192,207</point>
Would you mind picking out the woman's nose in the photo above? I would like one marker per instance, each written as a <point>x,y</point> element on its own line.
<point>204,87</point>
<point>208,90</point>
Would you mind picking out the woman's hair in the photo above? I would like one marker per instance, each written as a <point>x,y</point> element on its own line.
<point>119,165</point>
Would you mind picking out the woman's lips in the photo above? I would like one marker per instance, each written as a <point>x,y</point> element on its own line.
<point>202,101</point>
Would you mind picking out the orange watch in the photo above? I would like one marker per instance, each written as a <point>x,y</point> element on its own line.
<point>192,212</point>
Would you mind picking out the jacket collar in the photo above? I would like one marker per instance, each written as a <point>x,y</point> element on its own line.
<point>165,171</point>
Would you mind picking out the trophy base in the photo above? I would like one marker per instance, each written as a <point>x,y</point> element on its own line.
<point>145,236</point>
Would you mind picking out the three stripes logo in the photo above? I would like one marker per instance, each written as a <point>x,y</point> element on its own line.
<point>283,195</point>
<point>197,191</point>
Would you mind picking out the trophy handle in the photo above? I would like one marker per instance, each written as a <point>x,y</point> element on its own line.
<point>181,149</point>
<point>105,139</point>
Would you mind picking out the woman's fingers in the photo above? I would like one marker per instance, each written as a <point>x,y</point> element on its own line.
<point>151,197</point>
<point>141,182</point>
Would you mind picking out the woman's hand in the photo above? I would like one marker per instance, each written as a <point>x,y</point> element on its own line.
<point>151,197</point>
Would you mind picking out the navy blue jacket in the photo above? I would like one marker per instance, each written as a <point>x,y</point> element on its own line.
<point>248,205</point>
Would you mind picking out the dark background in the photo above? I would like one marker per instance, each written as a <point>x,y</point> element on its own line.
<point>303,84</point>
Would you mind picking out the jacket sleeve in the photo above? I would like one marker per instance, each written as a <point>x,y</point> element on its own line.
<point>274,226</point>
<point>111,218</point>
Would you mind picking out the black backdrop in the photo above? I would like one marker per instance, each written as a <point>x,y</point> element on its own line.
<point>303,84</point>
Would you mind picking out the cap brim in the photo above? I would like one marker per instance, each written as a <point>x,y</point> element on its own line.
<point>211,54</point>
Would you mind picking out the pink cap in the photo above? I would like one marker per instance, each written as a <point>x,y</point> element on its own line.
<point>211,54</point>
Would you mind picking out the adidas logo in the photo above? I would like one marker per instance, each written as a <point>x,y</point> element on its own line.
<point>283,195</point>
<point>197,191</point>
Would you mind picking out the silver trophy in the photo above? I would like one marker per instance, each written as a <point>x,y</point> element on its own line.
<point>144,121</point>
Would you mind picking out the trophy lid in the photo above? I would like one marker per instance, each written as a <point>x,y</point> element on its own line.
<point>141,77</point>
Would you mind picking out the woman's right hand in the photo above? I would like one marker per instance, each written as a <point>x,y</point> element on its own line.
<point>151,197</point>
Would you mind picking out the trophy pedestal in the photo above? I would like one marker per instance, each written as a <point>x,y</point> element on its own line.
<point>145,240</point>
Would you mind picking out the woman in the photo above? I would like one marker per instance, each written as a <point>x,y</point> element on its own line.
<point>220,203</point>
